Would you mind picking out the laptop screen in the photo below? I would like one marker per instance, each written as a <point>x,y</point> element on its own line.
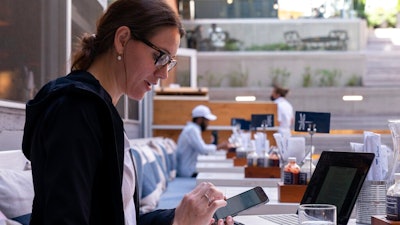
<point>337,180</point>
<point>337,183</point>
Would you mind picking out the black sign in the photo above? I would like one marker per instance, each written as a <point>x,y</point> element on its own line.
<point>244,124</point>
<point>312,121</point>
<point>262,120</point>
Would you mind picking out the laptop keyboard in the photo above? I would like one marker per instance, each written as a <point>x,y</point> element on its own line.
<point>284,219</point>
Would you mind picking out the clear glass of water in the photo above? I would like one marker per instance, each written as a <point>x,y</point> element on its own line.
<point>317,214</point>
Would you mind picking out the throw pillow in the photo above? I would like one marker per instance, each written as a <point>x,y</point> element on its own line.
<point>16,192</point>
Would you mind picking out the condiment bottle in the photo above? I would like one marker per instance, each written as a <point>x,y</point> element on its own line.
<point>291,172</point>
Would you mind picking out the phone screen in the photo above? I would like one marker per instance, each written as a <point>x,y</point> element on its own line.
<point>241,202</point>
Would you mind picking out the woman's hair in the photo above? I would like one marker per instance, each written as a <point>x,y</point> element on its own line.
<point>143,17</point>
<point>280,90</point>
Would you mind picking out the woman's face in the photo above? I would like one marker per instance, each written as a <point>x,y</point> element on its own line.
<point>140,68</point>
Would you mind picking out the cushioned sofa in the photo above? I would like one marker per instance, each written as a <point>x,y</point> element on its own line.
<point>155,160</point>
<point>156,167</point>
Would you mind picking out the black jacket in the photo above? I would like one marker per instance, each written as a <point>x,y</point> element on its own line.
<point>74,138</point>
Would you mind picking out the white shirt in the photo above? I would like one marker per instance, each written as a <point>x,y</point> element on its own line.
<point>128,185</point>
<point>285,116</point>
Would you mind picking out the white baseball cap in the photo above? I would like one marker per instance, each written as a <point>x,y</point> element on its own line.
<point>203,111</point>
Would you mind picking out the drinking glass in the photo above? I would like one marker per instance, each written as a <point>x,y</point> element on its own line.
<point>317,214</point>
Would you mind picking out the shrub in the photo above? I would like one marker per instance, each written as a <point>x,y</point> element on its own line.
<point>279,76</point>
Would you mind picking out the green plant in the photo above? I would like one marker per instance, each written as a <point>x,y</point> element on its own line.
<point>307,77</point>
<point>210,79</point>
<point>183,78</point>
<point>328,78</point>
<point>270,47</point>
<point>279,76</point>
<point>359,7</point>
<point>354,80</point>
<point>382,18</point>
<point>233,45</point>
<point>238,79</point>
<point>398,6</point>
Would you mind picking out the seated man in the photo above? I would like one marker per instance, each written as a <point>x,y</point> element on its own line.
<point>191,144</point>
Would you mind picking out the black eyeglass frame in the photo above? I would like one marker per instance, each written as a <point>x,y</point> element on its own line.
<point>171,63</point>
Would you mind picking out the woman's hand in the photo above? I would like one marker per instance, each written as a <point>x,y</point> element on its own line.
<point>229,221</point>
<point>199,206</point>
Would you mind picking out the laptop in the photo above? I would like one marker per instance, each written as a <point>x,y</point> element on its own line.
<point>337,180</point>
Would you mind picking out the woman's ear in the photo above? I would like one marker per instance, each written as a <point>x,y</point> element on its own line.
<point>122,36</point>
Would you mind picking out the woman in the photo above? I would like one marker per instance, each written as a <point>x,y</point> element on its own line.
<point>82,170</point>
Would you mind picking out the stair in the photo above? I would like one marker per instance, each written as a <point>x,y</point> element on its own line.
<point>383,59</point>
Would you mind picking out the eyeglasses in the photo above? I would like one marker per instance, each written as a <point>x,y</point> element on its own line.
<point>163,59</point>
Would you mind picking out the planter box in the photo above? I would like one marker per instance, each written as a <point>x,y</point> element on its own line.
<point>239,161</point>
<point>290,193</point>
<point>258,69</point>
<point>262,172</point>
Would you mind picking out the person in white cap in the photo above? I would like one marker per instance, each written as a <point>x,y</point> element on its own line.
<point>191,144</point>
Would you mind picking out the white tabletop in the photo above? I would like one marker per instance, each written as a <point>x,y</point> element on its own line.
<point>256,220</point>
<point>273,206</point>
<point>235,179</point>
<point>217,157</point>
<point>218,167</point>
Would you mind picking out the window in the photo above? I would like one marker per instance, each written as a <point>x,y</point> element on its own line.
<point>36,39</point>
<point>20,48</point>
<point>128,108</point>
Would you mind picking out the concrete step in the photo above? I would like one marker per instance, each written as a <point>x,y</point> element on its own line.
<point>360,122</point>
<point>383,69</point>
<point>383,57</point>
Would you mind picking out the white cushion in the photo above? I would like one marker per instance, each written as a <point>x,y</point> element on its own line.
<point>170,147</point>
<point>16,192</point>
<point>153,182</point>
<point>161,157</point>
<point>12,159</point>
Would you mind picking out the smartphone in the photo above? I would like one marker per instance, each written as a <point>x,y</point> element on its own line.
<point>242,201</point>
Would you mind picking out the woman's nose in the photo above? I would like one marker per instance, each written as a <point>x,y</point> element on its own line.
<point>162,73</point>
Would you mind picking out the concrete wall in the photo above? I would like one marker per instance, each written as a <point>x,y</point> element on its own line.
<point>256,68</point>
<point>259,67</point>
<point>270,31</point>
<point>376,101</point>
<point>12,119</point>
<point>379,104</point>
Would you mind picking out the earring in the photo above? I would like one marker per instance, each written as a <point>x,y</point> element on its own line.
<point>119,57</point>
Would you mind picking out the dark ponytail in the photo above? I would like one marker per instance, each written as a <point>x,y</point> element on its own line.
<point>85,56</point>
